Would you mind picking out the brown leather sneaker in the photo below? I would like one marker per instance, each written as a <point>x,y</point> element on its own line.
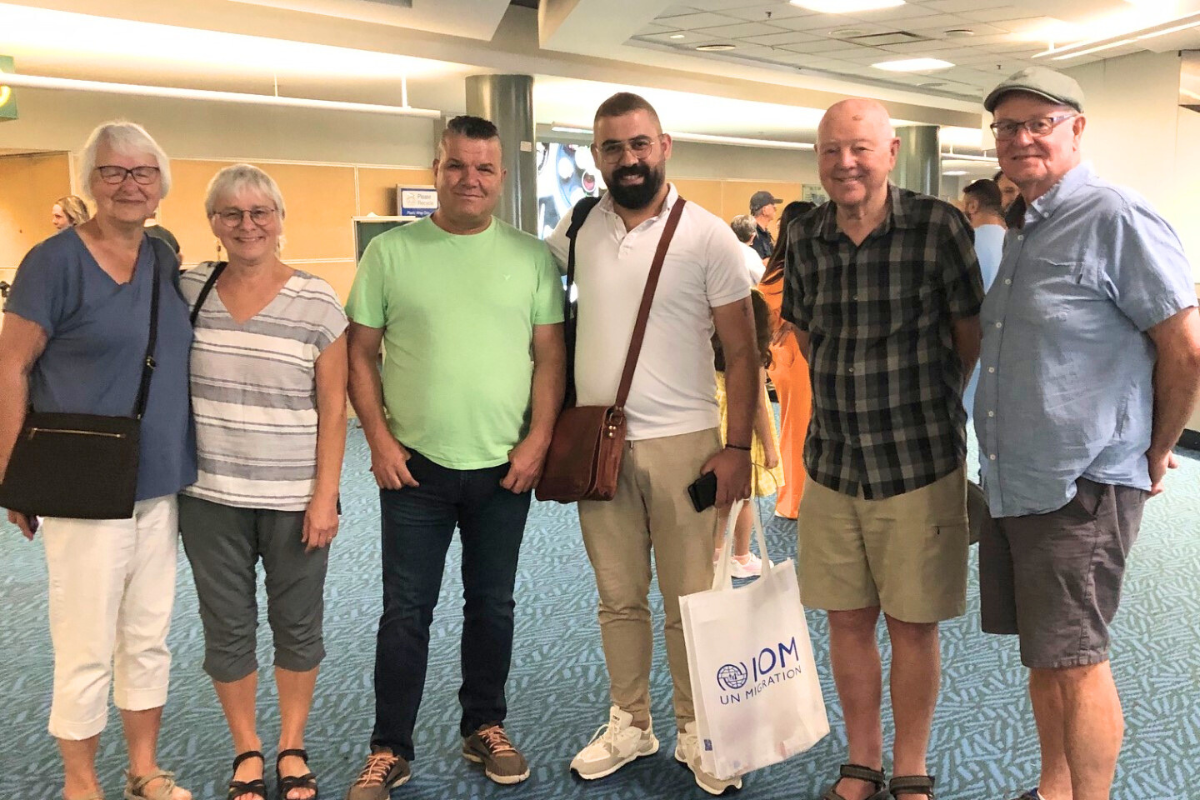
<point>502,762</point>
<point>383,772</point>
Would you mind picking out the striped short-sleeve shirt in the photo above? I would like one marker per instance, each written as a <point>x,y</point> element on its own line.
<point>254,394</point>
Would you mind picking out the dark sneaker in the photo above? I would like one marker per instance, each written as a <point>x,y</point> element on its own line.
<point>1032,794</point>
<point>502,762</point>
<point>383,772</point>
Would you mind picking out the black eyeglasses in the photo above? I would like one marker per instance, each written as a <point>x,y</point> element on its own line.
<point>115,175</point>
<point>1037,127</point>
<point>232,217</point>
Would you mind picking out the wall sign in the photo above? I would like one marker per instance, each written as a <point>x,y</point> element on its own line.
<point>416,201</point>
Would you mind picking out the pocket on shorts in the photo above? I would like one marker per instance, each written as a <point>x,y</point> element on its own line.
<point>1089,496</point>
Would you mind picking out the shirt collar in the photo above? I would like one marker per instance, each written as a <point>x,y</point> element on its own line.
<point>1045,206</point>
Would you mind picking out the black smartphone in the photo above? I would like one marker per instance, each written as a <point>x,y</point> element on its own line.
<point>703,491</point>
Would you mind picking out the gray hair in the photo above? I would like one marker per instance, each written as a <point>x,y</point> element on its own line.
<point>127,138</point>
<point>234,179</point>
<point>745,227</point>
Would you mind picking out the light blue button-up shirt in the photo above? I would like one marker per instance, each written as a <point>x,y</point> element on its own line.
<point>1066,382</point>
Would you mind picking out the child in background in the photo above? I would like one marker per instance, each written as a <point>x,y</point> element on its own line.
<point>764,450</point>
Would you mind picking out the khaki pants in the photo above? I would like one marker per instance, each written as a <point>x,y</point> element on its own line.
<point>651,512</point>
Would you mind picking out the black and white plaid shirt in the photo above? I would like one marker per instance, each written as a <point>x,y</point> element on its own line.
<point>887,381</point>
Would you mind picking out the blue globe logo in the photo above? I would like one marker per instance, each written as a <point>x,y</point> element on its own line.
<point>732,676</point>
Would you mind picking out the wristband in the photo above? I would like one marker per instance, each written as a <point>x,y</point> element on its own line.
<point>737,447</point>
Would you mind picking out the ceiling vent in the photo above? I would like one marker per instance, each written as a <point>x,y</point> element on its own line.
<point>393,3</point>
<point>887,39</point>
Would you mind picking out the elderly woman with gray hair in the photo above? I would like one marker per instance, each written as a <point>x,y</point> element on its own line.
<point>78,324</point>
<point>268,378</point>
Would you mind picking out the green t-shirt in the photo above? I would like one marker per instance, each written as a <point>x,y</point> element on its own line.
<point>458,315</point>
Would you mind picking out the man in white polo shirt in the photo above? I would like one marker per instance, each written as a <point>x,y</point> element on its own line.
<point>672,416</point>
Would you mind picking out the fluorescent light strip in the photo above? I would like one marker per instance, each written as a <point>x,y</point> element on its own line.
<point>704,138</point>
<point>913,65</point>
<point>1095,49</point>
<point>1129,37</point>
<point>957,157</point>
<point>70,84</point>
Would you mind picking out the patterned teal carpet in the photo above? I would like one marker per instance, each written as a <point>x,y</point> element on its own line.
<point>983,745</point>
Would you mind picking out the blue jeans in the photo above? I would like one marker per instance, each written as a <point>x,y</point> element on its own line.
<point>418,523</point>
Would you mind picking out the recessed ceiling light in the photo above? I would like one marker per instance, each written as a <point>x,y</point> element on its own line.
<point>959,33</point>
<point>714,48</point>
<point>955,172</point>
<point>846,6</point>
<point>846,33</point>
<point>913,65</point>
<point>677,35</point>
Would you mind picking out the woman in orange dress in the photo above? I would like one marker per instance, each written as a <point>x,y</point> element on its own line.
<point>789,374</point>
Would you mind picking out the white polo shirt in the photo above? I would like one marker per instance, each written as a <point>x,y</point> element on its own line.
<point>674,385</point>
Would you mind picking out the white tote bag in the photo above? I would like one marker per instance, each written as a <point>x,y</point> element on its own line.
<point>754,683</point>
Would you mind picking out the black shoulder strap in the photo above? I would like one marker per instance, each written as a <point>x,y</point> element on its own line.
<point>218,268</point>
<point>579,215</point>
<point>148,362</point>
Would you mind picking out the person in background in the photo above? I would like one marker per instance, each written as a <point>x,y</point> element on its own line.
<point>73,341</point>
<point>762,208</point>
<point>473,378</point>
<point>882,289</point>
<point>268,376</point>
<point>788,371</point>
<point>768,475</point>
<point>159,232</point>
<point>982,203</point>
<point>1091,366</point>
<point>745,229</point>
<point>67,212</point>
<point>1008,190</point>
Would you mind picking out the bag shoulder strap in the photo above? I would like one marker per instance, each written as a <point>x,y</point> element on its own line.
<point>639,328</point>
<point>148,363</point>
<point>579,215</point>
<point>218,268</point>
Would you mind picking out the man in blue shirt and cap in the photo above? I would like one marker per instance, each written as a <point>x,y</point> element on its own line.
<point>1090,368</point>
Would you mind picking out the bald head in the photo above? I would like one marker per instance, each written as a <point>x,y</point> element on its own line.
<point>856,149</point>
<point>858,116</point>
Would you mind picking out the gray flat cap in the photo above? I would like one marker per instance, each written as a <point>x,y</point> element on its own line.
<point>1054,86</point>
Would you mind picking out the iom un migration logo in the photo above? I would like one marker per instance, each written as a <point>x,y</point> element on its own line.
<point>732,677</point>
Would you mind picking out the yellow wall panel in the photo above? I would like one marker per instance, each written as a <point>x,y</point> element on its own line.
<point>377,188</point>
<point>29,185</point>
<point>338,274</point>
<point>706,194</point>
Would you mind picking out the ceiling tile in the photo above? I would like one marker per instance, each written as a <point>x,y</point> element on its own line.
<point>693,21</point>
<point>675,11</point>
<point>758,13</point>
<point>822,46</point>
<point>789,37</point>
<point>741,30</point>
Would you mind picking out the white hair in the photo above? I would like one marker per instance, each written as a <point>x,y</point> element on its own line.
<point>126,138</point>
<point>233,179</point>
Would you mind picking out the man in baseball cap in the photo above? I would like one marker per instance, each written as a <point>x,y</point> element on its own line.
<point>762,208</point>
<point>1089,368</point>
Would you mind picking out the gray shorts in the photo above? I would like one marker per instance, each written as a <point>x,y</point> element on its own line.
<point>224,544</point>
<point>1055,579</point>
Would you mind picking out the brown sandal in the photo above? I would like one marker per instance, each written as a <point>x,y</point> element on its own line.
<point>135,786</point>
<point>860,773</point>
<point>911,784</point>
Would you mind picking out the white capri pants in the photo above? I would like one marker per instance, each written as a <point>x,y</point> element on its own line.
<point>112,587</point>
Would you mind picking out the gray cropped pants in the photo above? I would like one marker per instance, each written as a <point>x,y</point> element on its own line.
<point>223,544</point>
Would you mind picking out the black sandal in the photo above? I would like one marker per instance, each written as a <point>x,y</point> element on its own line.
<point>291,782</point>
<point>860,773</point>
<point>911,784</point>
<point>257,787</point>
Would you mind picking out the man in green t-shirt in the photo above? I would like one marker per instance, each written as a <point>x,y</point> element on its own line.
<point>469,311</point>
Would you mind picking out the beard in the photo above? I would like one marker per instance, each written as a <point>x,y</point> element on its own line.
<point>639,195</point>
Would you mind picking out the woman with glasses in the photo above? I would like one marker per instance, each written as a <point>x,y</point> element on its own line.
<point>75,335</point>
<point>268,377</point>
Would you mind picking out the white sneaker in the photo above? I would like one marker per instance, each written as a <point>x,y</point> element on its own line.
<point>687,752</point>
<point>750,568</point>
<point>613,746</point>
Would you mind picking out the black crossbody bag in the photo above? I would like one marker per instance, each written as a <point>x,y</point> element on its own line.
<point>81,466</point>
